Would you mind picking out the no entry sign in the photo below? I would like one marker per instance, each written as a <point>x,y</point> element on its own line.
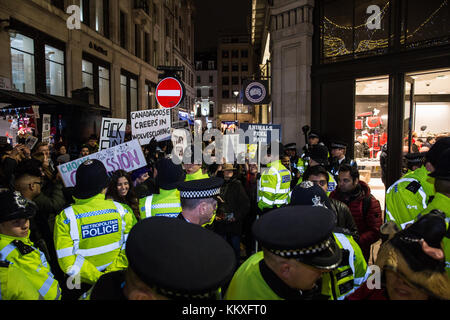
<point>169,92</point>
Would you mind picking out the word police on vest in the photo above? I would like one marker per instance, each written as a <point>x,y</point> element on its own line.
<point>99,228</point>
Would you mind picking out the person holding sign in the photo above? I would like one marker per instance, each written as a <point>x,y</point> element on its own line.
<point>90,235</point>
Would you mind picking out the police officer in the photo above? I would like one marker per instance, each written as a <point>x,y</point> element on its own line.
<point>441,200</point>
<point>193,166</point>
<point>414,160</point>
<point>17,248</point>
<point>90,235</point>
<point>338,152</point>
<point>167,201</point>
<point>318,155</point>
<point>199,200</point>
<point>411,194</point>
<point>275,182</point>
<point>299,249</point>
<point>15,285</point>
<point>169,259</point>
<point>290,150</point>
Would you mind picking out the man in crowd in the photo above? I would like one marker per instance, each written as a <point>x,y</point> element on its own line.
<point>275,182</point>
<point>411,194</point>
<point>161,265</point>
<point>167,201</point>
<point>365,208</point>
<point>90,235</point>
<point>199,200</point>
<point>92,144</point>
<point>84,151</point>
<point>338,157</point>
<point>299,249</point>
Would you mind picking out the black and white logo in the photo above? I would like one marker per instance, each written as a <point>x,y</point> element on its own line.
<point>255,92</point>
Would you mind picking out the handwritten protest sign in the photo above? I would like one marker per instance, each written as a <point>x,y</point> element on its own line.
<point>31,141</point>
<point>46,128</point>
<point>263,133</point>
<point>149,124</point>
<point>112,132</point>
<point>127,156</point>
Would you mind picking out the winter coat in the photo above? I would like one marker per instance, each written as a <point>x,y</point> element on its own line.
<point>236,202</point>
<point>368,223</point>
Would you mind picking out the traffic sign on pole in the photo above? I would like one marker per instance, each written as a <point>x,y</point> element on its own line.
<point>169,92</point>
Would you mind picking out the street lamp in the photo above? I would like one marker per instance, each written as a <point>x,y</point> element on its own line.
<point>236,95</point>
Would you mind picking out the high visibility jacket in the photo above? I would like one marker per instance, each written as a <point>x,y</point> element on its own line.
<point>350,274</point>
<point>32,262</point>
<point>302,164</point>
<point>248,283</point>
<point>331,183</point>
<point>90,237</point>
<point>14,284</point>
<point>196,175</point>
<point>274,186</point>
<point>166,203</point>
<point>409,196</point>
<point>442,202</point>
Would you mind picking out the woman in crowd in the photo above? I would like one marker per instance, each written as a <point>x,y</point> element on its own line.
<point>121,189</point>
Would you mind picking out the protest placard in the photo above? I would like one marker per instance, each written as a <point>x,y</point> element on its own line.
<point>264,133</point>
<point>127,156</point>
<point>31,141</point>
<point>149,124</point>
<point>112,132</point>
<point>46,128</point>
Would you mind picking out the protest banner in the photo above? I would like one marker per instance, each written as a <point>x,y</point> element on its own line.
<point>149,124</point>
<point>127,156</point>
<point>112,132</point>
<point>46,128</point>
<point>262,132</point>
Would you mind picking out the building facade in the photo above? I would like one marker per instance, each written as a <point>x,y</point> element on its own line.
<point>115,51</point>
<point>206,107</point>
<point>234,65</point>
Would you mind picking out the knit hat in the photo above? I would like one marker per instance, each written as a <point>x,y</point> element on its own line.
<point>169,174</point>
<point>319,153</point>
<point>403,254</point>
<point>442,167</point>
<point>91,179</point>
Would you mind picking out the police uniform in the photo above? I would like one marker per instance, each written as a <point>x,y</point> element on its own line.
<point>167,201</point>
<point>411,194</point>
<point>201,189</point>
<point>15,285</point>
<point>414,159</point>
<point>20,251</point>
<point>170,256</point>
<point>304,233</point>
<point>90,235</point>
<point>198,175</point>
<point>335,163</point>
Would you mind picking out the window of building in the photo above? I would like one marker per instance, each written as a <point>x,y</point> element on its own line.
<point>85,12</point>
<point>150,89</point>
<point>129,92</point>
<point>155,53</point>
<point>211,93</point>
<point>244,67</point>
<point>244,53</point>
<point>225,54</point>
<point>137,41</point>
<point>87,74</point>
<point>225,81</point>
<point>54,71</point>
<point>234,80</point>
<point>199,79</point>
<point>235,67</point>
<point>58,3</point>
<point>211,79</point>
<point>104,87</point>
<point>199,93</point>
<point>155,14</point>
<point>147,47</point>
<point>211,65</point>
<point>235,53</point>
<point>124,94</point>
<point>225,68</point>
<point>167,28</point>
<point>133,94</point>
<point>22,62</point>
<point>123,29</point>
<point>225,94</point>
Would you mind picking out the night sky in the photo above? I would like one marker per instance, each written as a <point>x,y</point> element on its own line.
<point>215,16</point>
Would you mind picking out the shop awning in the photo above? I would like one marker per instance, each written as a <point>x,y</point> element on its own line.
<point>20,99</point>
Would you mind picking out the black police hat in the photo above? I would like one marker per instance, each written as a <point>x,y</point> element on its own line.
<point>14,206</point>
<point>303,233</point>
<point>338,145</point>
<point>309,194</point>
<point>181,260</point>
<point>319,153</point>
<point>201,188</point>
<point>91,179</point>
<point>313,134</point>
<point>170,175</point>
<point>442,167</point>
<point>290,146</point>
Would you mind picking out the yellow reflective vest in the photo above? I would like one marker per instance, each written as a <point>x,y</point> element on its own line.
<point>196,175</point>
<point>166,203</point>
<point>14,284</point>
<point>274,186</point>
<point>90,237</point>
<point>20,252</point>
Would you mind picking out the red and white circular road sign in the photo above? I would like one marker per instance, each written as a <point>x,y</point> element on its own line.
<point>169,92</point>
